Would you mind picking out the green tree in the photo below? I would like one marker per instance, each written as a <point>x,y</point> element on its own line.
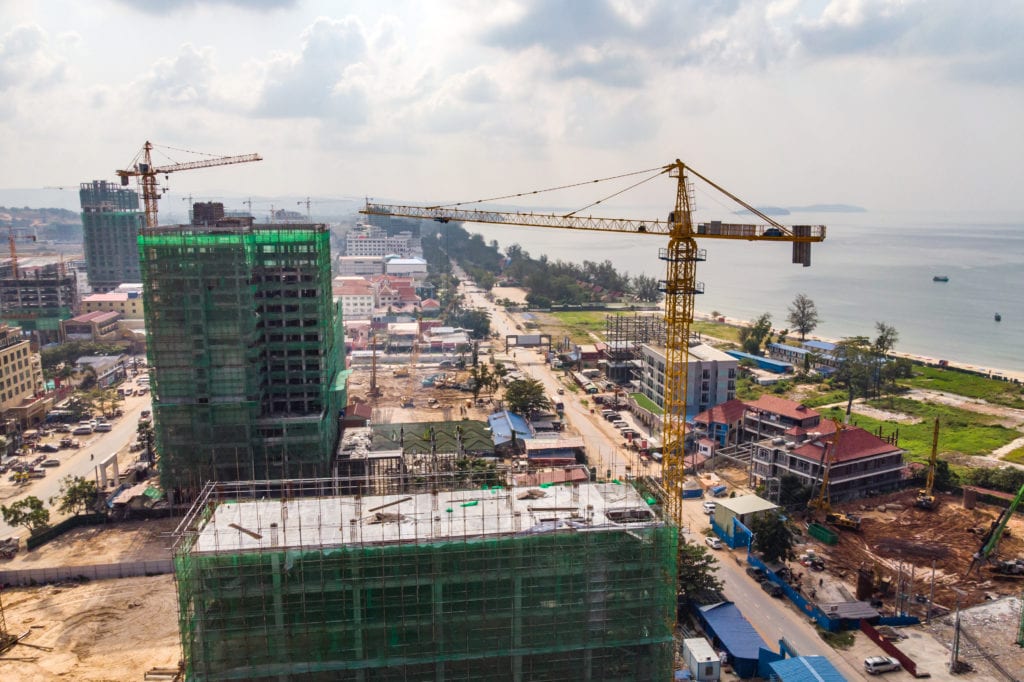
<point>854,364</point>
<point>28,512</point>
<point>792,492</point>
<point>77,495</point>
<point>526,396</point>
<point>697,568</point>
<point>646,289</point>
<point>885,342</point>
<point>753,336</point>
<point>772,537</point>
<point>803,315</point>
<point>146,437</point>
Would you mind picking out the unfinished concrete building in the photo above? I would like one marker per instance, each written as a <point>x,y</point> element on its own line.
<point>288,580</point>
<point>37,296</point>
<point>247,349</point>
<point>111,220</point>
<point>624,335</point>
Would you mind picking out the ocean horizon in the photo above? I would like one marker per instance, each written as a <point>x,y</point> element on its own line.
<point>872,267</point>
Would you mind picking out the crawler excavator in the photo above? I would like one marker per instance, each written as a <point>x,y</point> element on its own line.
<point>926,496</point>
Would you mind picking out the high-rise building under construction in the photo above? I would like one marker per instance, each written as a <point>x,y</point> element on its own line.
<point>247,348</point>
<point>111,220</point>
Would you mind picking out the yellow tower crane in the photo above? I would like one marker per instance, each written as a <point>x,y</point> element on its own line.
<point>11,237</point>
<point>142,168</point>
<point>680,285</point>
<point>926,496</point>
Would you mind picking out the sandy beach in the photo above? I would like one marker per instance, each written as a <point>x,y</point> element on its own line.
<point>994,372</point>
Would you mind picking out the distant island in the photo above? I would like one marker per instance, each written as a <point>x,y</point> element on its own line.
<point>813,208</point>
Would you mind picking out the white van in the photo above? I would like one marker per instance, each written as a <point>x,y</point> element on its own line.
<point>709,507</point>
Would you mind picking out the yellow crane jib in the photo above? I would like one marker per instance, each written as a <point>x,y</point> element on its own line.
<point>142,168</point>
<point>680,284</point>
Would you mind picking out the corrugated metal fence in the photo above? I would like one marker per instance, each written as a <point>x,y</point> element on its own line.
<point>128,569</point>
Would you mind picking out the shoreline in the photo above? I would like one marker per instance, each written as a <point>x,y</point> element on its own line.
<point>992,372</point>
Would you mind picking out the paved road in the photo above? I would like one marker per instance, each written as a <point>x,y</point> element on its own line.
<point>81,462</point>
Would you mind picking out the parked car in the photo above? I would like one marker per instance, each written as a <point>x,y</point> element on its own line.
<point>63,428</point>
<point>103,427</point>
<point>145,413</point>
<point>82,430</point>
<point>50,463</point>
<point>880,664</point>
<point>709,507</point>
<point>713,542</point>
<point>756,573</point>
<point>48,447</point>
<point>771,588</point>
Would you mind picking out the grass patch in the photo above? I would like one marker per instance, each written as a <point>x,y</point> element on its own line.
<point>969,385</point>
<point>824,398</point>
<point>960,431</point>
<point>837,640</point>
<point>1015,456</point>
<point>646,403</point>
<point>726,332</point>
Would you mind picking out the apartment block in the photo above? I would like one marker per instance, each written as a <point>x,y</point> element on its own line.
<point>711,376</point>
<point>21,372</point>
<point>245,341</point>
<point>111,220</point>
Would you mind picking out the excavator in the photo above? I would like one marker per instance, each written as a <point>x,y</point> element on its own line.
<point>1011,568</point>
<point>926,496</point>
<point>821,503</point>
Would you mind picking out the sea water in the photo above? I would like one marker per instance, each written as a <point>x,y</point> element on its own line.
<point>872,267</point>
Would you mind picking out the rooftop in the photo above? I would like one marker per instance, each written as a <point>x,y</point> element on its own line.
<point>855,443</point>
<point>746,504</point>
<point>250,526</point>
<point>782,407</point>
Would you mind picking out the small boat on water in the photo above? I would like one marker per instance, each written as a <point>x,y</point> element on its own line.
<point>940,278</point>
<point>999,318</point>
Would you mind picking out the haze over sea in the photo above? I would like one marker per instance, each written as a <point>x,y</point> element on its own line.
<point>872,267</point>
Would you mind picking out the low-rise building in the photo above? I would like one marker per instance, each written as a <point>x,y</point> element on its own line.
<point>360,266</point>
<point>723,424</point>
<point>414,268</point>
<point>860,463</point>
<point>771,417</point>
<point>357,297</point>
<point>128,303</point>
<point>97,326</point>
<point>110,369</point>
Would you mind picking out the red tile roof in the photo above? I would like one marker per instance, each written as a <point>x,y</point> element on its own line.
<point>855,443</point>
<point>824,427</point>
<point>729,412</point>
<point>781,407</point>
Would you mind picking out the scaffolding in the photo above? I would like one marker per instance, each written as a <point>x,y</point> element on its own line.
<point>248,351</point>
<point>624,335</point>
<point>289,580</point>
<point>110,228</point>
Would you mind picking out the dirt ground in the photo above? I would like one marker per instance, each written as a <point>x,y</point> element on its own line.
<point>105,630</point>
<point>128,541</point>
<point>894,531</point>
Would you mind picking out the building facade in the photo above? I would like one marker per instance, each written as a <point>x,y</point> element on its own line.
<point>38,298</point>
<point>111,220</point>
<point>129,304</point>
<point>711,377</point>
<point>369,240</point>
<point>450,585</point>
<point>97,327</point>
<point>245,340</point>
<point>21,372</point>
<point>360,266</point>
<point>861,464</point>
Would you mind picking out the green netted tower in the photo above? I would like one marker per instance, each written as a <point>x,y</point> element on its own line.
<point>111,221</point>
<point>248,354</point>
<point>286,580</point>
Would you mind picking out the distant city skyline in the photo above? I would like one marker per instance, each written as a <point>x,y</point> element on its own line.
<point>885,105</point>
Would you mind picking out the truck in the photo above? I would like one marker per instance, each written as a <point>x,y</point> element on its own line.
<point>718,490</point>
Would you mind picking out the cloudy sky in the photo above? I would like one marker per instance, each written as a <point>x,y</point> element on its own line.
<point>883,103</point>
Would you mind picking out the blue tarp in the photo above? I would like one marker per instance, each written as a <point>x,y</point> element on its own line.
<point>806,669</point>
<point>737,636</point>
<point>504,423</point>
<point>768,364</point>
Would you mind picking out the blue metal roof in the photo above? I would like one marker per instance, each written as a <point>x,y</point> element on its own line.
<point>762,362</point>
<point>789,349</point>
<point>806,669</point>
<point>737,635</point>
<point>504,423</point>
<point>820,345</point>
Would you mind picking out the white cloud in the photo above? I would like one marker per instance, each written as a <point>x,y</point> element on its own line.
<point>322,80</point>
<point>183,80</point>
<point>27,59</point>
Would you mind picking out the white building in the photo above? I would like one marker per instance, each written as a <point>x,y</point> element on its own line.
<point>360,266</point>
<point>357,297</point>
<point>711,377</point>
<point>416,268</point>
<point>367,240</point>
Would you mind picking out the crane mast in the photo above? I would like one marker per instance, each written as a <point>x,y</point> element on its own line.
<point>680,284</point>
<point>146,172</point>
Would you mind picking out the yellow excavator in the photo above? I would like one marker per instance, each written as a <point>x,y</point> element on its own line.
<point>821,502</point>
<point>926,496</point>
